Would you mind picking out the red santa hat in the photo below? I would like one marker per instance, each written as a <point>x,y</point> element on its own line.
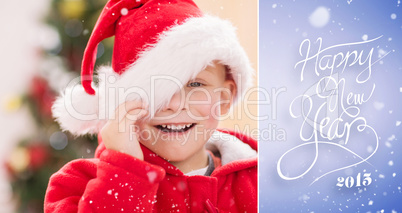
<point>159,46</point>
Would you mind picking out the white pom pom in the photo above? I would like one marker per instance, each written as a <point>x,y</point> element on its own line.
<point>77,112</point>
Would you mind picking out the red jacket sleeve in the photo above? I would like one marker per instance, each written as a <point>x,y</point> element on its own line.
<point>115,182</point>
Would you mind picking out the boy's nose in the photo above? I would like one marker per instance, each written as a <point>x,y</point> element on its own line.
<point>177,102</point>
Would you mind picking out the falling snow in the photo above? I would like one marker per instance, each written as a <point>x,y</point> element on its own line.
<point>124,11</point>
<point>378,105</point>
<point>391,138</point>
<point>381,53</point>
<point>151,176</point>
<point>320,17</point>
<point>388,144</point>
<point>393,16</point>
<point>304,198</point>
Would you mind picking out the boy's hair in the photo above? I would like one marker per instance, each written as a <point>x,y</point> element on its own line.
<point>228,73</point>
<point>152,38</point>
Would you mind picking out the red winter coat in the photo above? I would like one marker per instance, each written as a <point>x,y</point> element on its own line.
<point>116,182</point>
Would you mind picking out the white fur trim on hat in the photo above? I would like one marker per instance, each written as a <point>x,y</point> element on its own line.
<point>76,111</point>
<point>160,71</point>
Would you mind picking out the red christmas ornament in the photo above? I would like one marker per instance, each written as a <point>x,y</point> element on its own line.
<point>38,155</point>
<point>42,95</point>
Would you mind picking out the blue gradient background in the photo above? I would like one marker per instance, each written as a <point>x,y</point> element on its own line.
<point>281,30</point>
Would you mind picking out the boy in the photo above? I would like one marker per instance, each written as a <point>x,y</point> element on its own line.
<point>179,71</point>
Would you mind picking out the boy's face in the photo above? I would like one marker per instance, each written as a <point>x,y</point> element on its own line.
<point>181,129</point>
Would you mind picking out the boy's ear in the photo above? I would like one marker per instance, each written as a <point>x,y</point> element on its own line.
<point>227,96</point>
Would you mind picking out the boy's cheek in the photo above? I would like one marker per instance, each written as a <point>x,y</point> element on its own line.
<point>198,97</point>
<point>215,108</point>
<point>144,134</point>
<point>212,115</point>
<point>202,112</point>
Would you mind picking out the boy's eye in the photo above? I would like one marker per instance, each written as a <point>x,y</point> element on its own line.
<point>194,84</point>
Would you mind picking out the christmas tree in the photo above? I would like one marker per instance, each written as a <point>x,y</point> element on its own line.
<point>37,157</point>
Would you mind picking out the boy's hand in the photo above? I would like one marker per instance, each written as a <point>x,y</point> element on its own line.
<point>117,133</point>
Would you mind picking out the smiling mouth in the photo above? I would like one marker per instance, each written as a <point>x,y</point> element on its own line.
<point>175,128</point>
